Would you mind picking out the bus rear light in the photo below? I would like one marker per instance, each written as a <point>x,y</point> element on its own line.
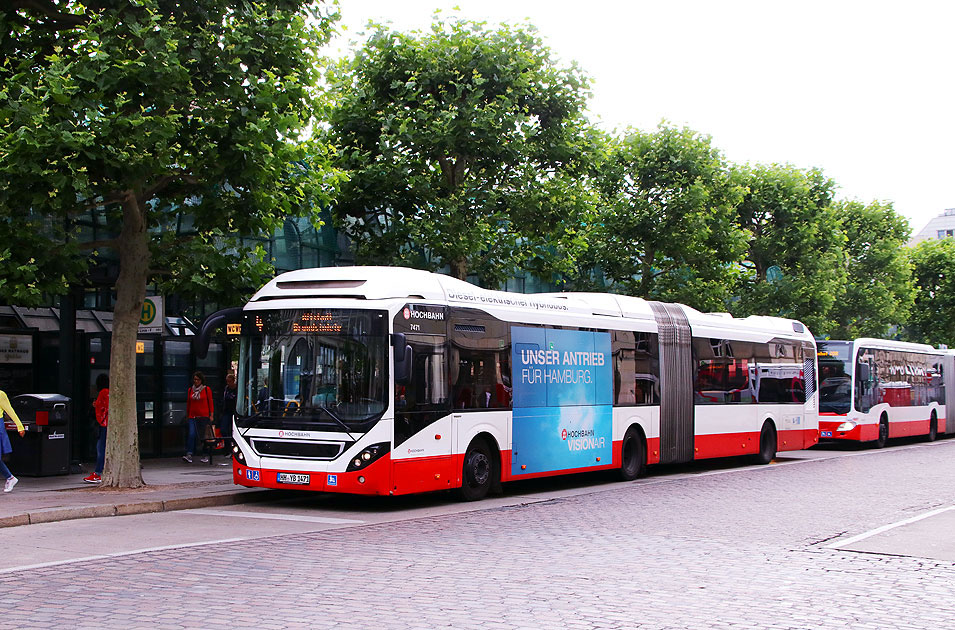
<point>368,455</point>
<point>846,426</point>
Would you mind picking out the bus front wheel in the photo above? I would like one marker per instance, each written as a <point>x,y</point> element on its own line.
<point>883,433</point>
<point>767,444</point>
<point>933,428</point>
<point>477,474</point>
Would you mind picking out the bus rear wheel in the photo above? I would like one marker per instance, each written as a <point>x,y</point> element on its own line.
<point>478,471</point>
<point>767,444</point>
<point>633,458</point>
<point>933,428</point>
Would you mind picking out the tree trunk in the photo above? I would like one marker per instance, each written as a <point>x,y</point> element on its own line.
<point>122,438</point>
<point>459,268</point>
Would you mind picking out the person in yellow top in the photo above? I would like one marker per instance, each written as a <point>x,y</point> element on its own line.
<point>5,446</point>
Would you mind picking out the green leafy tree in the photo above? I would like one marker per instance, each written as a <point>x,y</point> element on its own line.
<point>463,147</point>
<point>879,290</point>
<point>152,111</point>
<point>666,226</point>
<point>795,266</point>
<point>932,319</point>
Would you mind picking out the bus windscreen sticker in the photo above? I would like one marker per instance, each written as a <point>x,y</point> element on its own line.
<point>563,392</point>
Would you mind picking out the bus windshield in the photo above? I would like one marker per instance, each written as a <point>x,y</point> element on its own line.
<point>835,376</point>
<point>313,369</point>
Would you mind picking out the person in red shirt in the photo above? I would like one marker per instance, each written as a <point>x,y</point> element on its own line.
<point>198,413</point>
<point>101,407</point>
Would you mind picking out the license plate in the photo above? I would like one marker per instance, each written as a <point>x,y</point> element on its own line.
<point>826,433</point>
<point>293,478</point>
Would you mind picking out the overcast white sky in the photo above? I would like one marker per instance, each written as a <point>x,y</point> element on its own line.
<point>862,90</point>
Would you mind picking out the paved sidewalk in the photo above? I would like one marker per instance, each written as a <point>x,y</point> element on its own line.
<point>171,484</point>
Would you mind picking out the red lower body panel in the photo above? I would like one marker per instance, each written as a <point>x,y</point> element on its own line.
<point>408,476</point>
<point>732,444</point>
<point>870,432</point>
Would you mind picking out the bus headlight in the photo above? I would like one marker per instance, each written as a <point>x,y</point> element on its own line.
<point>237,453</point>
<point>846,426</point>
<point>368,455</point>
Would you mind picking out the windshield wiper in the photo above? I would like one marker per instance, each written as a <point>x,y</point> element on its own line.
<point>261,415</point>
<point>338,420</point>
<point>266,409</point>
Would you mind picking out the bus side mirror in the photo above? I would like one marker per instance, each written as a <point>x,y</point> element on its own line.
<point>200,343</point>
<point>403,359</point>
<point>863,374</point>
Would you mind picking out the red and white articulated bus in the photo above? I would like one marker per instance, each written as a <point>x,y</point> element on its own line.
<point>875,389</point>
<point>389,381</point>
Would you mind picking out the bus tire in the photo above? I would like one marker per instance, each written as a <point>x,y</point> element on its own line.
<point>933,427</point>
<point>883,438</point>
<point>477,474</point>
<point>633,455</point>
<point>767,444</point>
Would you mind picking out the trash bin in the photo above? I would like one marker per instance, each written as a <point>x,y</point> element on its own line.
<point>45,447</point>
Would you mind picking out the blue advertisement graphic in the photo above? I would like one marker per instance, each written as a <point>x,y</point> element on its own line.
<point>563,392</point>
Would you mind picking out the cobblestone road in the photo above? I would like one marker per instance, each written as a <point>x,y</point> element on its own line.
<point>738,550</point>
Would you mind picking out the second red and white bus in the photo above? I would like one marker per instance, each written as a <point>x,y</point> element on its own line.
<point>391,381</point>
<point>875,389</point>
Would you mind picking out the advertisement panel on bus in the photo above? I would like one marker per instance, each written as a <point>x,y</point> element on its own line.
<point>563,413</point>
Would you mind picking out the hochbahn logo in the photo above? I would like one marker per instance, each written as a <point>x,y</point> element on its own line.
<point>410,314</point>
<point>582,439</point>
<point>304,434</point>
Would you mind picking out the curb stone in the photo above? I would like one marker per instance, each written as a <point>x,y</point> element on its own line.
<point>126,509</point>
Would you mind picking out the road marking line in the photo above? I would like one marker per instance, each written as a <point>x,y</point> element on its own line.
<point>848,541</point>
<point>278,517</point>
<point>119,554</point>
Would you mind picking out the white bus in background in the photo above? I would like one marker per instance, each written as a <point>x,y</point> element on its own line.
<point>389,381</point>
<point>875,389</point>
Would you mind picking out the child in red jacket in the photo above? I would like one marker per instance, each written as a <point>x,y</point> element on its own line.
<point>101,407</point>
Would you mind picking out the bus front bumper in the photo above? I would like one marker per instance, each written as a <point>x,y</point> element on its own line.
<point>373,480</point>
<point>844,428</point>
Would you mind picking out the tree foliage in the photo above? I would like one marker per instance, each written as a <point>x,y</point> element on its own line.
<point>932,319</point>
<point>795,266</point>
<point>153,110</point>
<point>666,227</point>
<point>879,290</point>
<point>463,147</point>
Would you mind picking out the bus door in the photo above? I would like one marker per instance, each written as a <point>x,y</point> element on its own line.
<point>422,427</point>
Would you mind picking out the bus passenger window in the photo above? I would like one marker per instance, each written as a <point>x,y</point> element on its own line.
<point>480,362</point>
<point>636,368</point>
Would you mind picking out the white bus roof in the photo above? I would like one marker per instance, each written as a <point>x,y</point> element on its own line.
<point>888,344</point>
<point>388,283</point>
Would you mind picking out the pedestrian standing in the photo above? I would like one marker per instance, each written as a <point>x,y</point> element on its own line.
<point>198,414</point>
<point>101,408</point>
<point>229,397</point>
<point>5,446</point>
